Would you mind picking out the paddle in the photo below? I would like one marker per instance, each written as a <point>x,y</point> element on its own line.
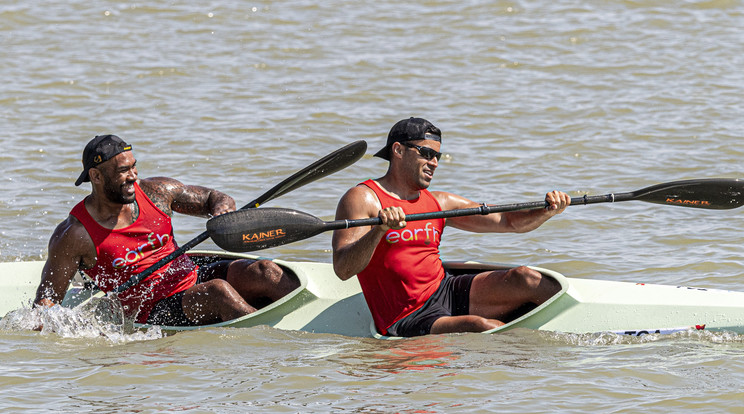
<point>249,230</point>
<point>331,163</point>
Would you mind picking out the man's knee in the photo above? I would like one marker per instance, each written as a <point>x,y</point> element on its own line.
<point>260,269</point>
<point>536,285</point>
<point>528,278</point>
<point>216,298</point>
<point>218,288</point>
<point>269,269</point>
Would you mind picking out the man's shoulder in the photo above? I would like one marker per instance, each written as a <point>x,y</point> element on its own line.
<point>359,201</point>
<point>360,193</point>
<point>70,232</point>
<point>450,201</point>
<point>158,184</point>
<point>162,191</point>
<point>70,224</point>
<point>440,195</point>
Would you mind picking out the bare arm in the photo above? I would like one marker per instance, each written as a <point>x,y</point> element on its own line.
<point>509,222</point>
<point>173,196</point>
<point>353,247</point>
<point>70,249</point>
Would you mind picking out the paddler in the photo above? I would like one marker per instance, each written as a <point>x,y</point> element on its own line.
<point>398,263</point>
<point>124,226</point>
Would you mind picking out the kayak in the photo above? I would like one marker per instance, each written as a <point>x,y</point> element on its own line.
<point>325,304</point>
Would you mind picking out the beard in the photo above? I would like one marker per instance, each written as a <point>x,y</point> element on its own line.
<point>424,183</point>
<point>116,193</point>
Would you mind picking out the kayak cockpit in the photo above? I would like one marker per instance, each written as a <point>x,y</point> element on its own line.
<point>525,312</point>
<point>84,290</point>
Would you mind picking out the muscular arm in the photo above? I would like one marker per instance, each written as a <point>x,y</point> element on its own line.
<point>70,249</point>
<point>353,247</point>
<point>509,222</point>
<point>173,196</point>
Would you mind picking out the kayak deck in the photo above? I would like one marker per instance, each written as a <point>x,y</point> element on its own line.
<point>18,283</point>
<point>638,308</point>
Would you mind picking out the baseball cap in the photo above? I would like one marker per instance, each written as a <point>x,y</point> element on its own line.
<point>99,150</point>
<point>411,129</point>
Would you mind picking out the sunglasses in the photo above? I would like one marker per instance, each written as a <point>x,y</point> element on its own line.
<point>425,152</point>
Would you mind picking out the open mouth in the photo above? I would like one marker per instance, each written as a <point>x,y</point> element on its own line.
<point>128,188</point>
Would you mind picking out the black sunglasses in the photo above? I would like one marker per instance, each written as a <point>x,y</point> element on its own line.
<point>426,152</point>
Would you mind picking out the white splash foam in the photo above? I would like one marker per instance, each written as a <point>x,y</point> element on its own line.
<point>97,318</point>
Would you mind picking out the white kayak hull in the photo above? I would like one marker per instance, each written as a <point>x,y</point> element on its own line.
<point>325,304</point>
<point>589,306</point>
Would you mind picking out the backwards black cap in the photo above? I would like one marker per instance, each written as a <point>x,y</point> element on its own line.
<point>99,150</point>
<point>411,129</point>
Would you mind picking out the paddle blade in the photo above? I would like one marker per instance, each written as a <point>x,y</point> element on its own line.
<point>711,193</point>
<point>331,163</point>
<point>256,229</point>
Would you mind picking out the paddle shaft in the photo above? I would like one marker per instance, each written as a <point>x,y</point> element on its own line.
<point>335,161</point>
<point>480,210</point>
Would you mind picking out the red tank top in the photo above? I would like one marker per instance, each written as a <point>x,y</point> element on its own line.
<point>121,253</point>
<point>405,268</point>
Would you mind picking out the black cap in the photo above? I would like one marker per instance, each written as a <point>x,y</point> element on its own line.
<point>411,129</point>
<point>99,150</point>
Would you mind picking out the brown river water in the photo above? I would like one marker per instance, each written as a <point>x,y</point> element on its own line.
<point>535,95</point>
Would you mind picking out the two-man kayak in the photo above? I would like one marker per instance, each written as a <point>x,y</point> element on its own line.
<point>325,304</point>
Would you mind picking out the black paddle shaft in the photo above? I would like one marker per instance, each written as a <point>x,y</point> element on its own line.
<point>331,163</point>
<point>709,194</point>
<point>250,230</point>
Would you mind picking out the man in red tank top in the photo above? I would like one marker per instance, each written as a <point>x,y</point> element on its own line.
<point>398,263</point>
<point>124,226</point>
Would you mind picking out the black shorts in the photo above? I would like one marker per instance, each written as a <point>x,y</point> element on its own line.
<point>169,311</point>
<point>452,298</point>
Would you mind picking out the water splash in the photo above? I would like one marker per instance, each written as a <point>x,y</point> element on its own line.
<point>97,318</point>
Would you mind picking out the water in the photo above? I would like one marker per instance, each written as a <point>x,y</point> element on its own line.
<point>530,96</point>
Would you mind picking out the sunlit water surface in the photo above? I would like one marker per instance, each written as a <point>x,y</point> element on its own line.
<point>530,95</point>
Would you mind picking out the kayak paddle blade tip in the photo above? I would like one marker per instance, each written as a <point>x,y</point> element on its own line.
<point>709,194</point>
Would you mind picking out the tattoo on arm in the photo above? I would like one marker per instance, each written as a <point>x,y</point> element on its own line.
<point>160,193</point>
<point>194,201</point>
<point>170,195</point>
